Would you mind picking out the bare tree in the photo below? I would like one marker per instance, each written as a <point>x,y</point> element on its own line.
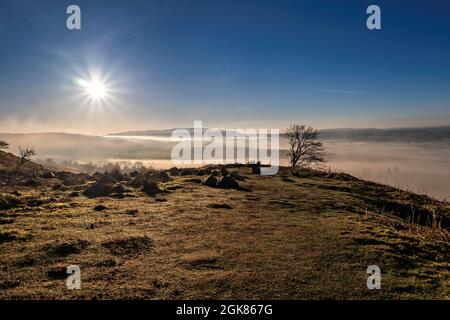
<point>25,154</point>
<point>4,145</point>
<point>305,150</point>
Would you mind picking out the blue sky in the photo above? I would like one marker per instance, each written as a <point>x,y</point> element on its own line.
<point>228,63</point>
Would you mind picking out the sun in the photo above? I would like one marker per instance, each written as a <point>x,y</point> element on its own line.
<point>96,89</point>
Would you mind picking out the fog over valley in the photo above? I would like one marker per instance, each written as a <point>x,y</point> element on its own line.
<point>414,159</point>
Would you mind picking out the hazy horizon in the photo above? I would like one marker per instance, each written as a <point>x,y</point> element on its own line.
<point>419,125</point>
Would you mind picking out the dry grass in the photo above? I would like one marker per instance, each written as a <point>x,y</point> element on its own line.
<point>288,237</point>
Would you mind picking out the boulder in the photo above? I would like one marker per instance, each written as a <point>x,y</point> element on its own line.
<point>35,202</point>
<point>119,188</point>
<point>31,183</point>
<point>227,182</point>
<point>100,207</point>
<point>8,201</point>
<point>150,187</point>
<point>48,175</point>
<point>256,168</point>
<point>138,181</point>
<point>211,181</point>
<point>75,179</point>
<point>204,172</point>
<point>215,173</point>
<point>98,190</point>
<point>62,175</point>
<point>237,176</point>
<point>106,179</point>
<point>161,176</point>
<point>223,171</point>
<point>174,171</point>
<point>134,174</point>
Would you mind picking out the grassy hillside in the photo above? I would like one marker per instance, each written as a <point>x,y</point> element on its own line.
<point>280,237</point>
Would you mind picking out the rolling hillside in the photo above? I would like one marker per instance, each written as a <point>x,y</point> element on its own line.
<point>279,237</point>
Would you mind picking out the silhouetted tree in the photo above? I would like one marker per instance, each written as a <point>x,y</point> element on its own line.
<point>25,154</point>
<point>305,149</point>
<point>4,145</point>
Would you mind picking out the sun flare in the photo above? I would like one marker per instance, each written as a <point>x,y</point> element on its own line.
<point>96,89</point>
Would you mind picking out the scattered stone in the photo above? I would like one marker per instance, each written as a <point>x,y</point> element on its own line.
<point>256,168</point>
<point>138,181</point>
<point>132,212</point>
<point>98,190</point>
<point>107,180</point>
<point>62,175</point>
<point>48,175</point>
<point>215,173</point>
<point>211,181</point>
<point>78,187</point>
<point>134,174</point>
<point>175,187</point>
<point>100,207</point>
<point>34,202</point>
<point>74,194</point>
<point>97,175</point>
<point>75,179</point>
<point>150,187</point>
<point>227,182</point>
<point>70,182</point>
<point>119,188</point>
<point>174,171</point>
<point>57,273</point>
<point>204,171</point>
<point>58,186</point>
<point>237,176</point>
<point>8,201</point>
<point>107,263</point>
<point>161,176</point>
<point>220,206</point>
<point>129,246</point>
<point>223,171</point>
<point>67,248</point>
<point>31,183</point>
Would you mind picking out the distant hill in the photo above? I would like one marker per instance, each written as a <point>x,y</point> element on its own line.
<point>426,134</point>
<point>420,134</point>
<point>85,147</point>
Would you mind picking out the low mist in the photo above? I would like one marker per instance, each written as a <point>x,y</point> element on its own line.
<point>420,166</point>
